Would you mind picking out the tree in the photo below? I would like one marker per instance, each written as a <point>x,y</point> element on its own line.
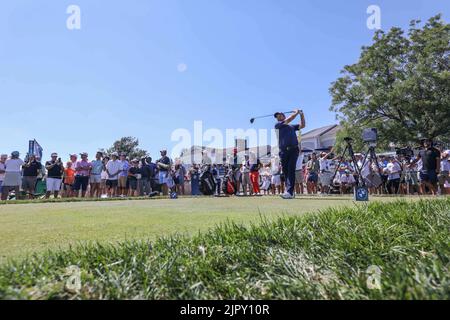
<point>400,85</point>
<point>129,146</point>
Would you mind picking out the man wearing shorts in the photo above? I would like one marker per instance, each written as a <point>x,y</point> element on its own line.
<point>55,170</point>
<point>134,175</point>
<point>123,175</point>
<point>431,158</point>
<point>113,168</point>
<point>95,178</point>
<point>31,170</point>
<point>82,172</point>
<point>163,165</point>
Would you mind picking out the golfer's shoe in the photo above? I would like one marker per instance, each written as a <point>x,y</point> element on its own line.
<point>287,196</point>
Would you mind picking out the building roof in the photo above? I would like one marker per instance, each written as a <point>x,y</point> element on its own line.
<point>321,131</point>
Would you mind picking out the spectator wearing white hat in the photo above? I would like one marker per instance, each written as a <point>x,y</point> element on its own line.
<point>13,177</point>
<point>55,170</point>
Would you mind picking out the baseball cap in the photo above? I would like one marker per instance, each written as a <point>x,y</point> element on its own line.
<point>54,154</point>
<point>277,113</point>
<point>115,154</point>
<point>84,154</point>
<point>15,153</point>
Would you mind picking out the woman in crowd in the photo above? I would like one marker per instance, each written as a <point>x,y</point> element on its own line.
<point>13,177</point>
<point>68,180</point>
<point>180,173</point>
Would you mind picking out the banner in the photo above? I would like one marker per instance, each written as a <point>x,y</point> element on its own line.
<point>34,148</point>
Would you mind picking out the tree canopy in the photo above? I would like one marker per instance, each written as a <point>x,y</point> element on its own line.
<point>400,85</point>
<point>129,146</point>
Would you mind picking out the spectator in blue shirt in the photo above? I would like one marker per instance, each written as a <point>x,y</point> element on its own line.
<point>289,147</point>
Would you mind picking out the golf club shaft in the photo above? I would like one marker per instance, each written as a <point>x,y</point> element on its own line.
<point>271,115</point>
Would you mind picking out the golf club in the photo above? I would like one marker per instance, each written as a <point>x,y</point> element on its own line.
<point>252,120</point>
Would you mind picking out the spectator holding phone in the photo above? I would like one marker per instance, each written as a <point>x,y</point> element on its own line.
<point>55,170</point>
<point>31,171</point>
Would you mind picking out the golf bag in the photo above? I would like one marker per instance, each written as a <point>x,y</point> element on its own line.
<point>207,183</point>
<point>229,185</point>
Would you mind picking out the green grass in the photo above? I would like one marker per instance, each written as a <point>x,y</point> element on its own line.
<point>27,228</point>
<point>312,256</point>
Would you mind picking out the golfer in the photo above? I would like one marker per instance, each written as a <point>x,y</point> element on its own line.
<point>289,147</point>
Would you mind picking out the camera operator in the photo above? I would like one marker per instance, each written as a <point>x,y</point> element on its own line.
<point>445,170</point>
<point>431,158</point>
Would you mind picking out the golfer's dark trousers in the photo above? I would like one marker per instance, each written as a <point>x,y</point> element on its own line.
<point>289,158</point>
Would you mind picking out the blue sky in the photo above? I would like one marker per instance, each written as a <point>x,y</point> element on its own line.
<point>118,76</point>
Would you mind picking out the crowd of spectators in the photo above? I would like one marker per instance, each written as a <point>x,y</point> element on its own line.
<point>116,175</point>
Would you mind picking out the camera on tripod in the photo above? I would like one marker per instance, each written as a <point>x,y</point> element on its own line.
<point>370,135</point>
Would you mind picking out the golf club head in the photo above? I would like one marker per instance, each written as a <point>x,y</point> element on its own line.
<point>252,120</point>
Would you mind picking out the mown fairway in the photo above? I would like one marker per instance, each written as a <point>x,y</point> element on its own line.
<point>34,227</point>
